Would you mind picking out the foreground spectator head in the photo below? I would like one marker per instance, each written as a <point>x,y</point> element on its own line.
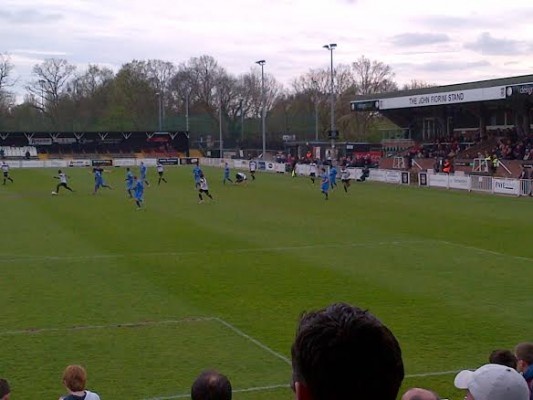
<point>4,389</point>
<point>420,394</point>
<point>211,385</point>
<point>492,382</point>
<point>74,379</point>
<point>503,357</point>
<point>524,356</point>
<point>343,352</point>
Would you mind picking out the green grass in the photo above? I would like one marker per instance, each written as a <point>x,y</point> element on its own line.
<point>449,272</point>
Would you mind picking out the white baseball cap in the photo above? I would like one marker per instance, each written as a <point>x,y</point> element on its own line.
<point>493,382</point>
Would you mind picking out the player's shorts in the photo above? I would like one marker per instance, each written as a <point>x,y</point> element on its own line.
<point>160,173</point>
<point>312,174</point>
<point>6,174</point>
<point>139,196</point>
<point>324,187</point>
<point>63,184</point>
<point>345,180</point>
<point>129,186</point>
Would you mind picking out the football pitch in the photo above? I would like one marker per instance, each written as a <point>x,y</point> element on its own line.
<point>146,300</point>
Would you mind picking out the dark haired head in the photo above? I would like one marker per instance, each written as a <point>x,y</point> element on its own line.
<point>503,357</point>
<point>211,385</point>
<point>4,388</point>
<point>343,352</point>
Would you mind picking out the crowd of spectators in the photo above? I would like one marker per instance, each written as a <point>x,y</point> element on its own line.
<point>512,146</point>
<point>344,352</point>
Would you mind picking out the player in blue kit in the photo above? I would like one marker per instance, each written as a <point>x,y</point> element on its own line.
<point>226,174</point>
<point>333,176</point>
<point>197,172</point>
<point>324,187</point>
<point>129,181</point>
<point>99,179</point>
<point>139,192</point>
<point>142,170</point>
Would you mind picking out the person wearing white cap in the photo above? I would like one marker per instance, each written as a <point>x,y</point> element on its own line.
<point>492,382</point>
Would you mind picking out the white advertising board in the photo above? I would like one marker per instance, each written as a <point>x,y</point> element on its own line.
<point>506,186</point>
<point>392,176</point>
<point>124,162</point>
<point>459,182</point>
<point>438,180</point>
<point>79,163</point>
<point>56,163</point>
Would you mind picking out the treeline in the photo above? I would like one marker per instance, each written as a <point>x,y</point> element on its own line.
<point>144,94</point>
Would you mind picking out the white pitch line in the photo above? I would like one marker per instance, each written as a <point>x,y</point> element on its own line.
<point>421,375</point>
<point>218,251</point>
<point>286,386</point>
<point>253,340</point>
<point>251,389</point>
<point>141,324</point>
<point>481,250</point>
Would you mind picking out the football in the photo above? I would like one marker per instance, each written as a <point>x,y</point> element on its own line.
<point>54,193</point>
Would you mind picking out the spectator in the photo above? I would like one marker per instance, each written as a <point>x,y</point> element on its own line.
<point>74,379</point>
<point>211,385</point>
<point>420,394</point>
<point>492,382</point>
<point>5,390</point>
<point>503,357</point>
<point>524,356</point>
<point>343,352</point>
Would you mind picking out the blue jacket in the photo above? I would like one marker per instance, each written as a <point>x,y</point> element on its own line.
<point>528,376</point>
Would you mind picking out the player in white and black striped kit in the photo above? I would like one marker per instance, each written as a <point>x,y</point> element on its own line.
<point>345,178</point>
<point>160,172</point>
<point>204,188</point>
<point>62,182</point>
<point>5,170</point>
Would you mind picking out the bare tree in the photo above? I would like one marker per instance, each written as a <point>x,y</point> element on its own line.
<point>51,78</point>
<point>417,84</point>
<point>95,77</point>
<point>6,67</point>
<point>372,77</point>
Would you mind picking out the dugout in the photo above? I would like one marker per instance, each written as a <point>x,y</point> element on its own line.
<point>472,109</point>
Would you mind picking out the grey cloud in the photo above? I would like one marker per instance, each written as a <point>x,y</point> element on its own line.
<point>28,16</point>
<point>442,66</point>
<point>444,22</point>
<point>419,39</point>
<point>489,45</point>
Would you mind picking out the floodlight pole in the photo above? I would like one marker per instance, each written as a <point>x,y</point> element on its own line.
<point>262,64</point>
<point>160,115</point>
<point>331,47</point>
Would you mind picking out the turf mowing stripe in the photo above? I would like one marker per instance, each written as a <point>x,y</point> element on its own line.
<point>253,340</point>
<point>252,389</point>
<point>218,251</point>
<point>481,250</point>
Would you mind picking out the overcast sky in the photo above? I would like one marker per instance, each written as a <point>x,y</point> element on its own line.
<point>436,41</point>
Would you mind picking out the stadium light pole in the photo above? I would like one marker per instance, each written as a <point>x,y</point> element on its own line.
<point>332,47</point>
<point>187,112</point>
<point>315,100</point>
<point>221,143</point>
<point>160,115</point>
<point>262,64</point>
<point>42,82</point>
<point>242,119</point>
